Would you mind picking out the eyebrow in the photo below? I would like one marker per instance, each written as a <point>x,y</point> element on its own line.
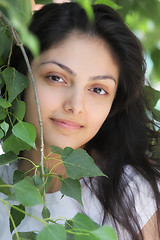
<point>70,71</point>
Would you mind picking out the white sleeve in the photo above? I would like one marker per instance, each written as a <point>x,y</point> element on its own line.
<point>145,204</point>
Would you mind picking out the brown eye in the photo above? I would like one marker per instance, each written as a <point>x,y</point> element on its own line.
<point>98,90</point>
<point>55,78</point>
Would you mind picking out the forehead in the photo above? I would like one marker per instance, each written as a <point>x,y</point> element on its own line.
<point>80,49</point>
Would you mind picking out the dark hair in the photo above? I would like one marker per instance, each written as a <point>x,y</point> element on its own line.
<point>127,134</point>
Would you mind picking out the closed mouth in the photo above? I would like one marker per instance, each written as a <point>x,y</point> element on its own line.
<point>67,124</point>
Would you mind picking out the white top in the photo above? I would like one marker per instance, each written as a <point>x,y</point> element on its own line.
<point>67,207</point>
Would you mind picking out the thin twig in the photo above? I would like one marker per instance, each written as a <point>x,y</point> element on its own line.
<point>30,73</point>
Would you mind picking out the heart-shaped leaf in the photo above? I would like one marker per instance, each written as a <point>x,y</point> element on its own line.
<point>15,82</point>
<point>72,188</point>
<point>26,132</point>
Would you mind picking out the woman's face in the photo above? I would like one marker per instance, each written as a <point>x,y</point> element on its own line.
<point>76,84</point>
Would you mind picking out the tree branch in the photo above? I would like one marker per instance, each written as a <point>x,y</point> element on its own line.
<point>30,73</point>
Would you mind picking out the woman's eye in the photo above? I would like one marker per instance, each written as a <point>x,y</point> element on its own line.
<point>55,78</point>
<point>99,90</point>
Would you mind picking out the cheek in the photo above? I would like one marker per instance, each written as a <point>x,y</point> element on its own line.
<point>97,118</point>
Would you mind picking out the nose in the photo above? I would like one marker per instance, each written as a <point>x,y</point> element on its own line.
<point>74,101</point>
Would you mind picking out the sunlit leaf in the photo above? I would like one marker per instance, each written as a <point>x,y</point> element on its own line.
<point>14,144</point>
<point>4,188</point>
<point>4,3</point>
<point>104,233</point>
<point>86,5</point>
<point>79,164</point>
<point>25,236</point>
<point>17,216</point>
<point>8,158</point>
<point>26,193</point>
<point>4,126</point>
<point>19,13</point>
<point>15,82</point>
<point>72,188</point>
<point>52,232</point>
<point>30,41</point>
<point>26,132</point>
<point>4,103</point>
<point>109,3</point>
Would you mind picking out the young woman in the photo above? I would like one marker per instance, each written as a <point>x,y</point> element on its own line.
<point>89,79</point>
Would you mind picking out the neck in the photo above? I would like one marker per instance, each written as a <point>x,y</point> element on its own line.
<point>52,161</point>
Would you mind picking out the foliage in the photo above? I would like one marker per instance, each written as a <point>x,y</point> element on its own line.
<point>18,135</point>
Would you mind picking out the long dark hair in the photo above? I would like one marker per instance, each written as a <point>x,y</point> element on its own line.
<point>127,135</point>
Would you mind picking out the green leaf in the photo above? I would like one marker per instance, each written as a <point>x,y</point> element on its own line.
<point>3,40</point>
<point>19,109</point>
<point>8,158</point>
<point>1,133</point>
<point>66,152</point>
<point>43,1</point>
<point>26,132</point>
<point>71,188</point>
<point>4,103</point>
<point>20,16</point>
<point>26,193</point>
<point>81,226</point>
<point>4,3</point>
<point>14,144</point>
<point>5,190</point>
<point>30,41</point>
<point>104,233</point>
<point>52,232</point>
<point>17,216</point>
<point>1,80</point>
<point>5,126</point>
<point>86,5</point>
<point>38,182</point>
<point>151,95</point>
<point>25,236</point>
<point>79,164</point>
<point>156,114</point>
<point>56,150</point>
<point>108,3</point>
<point>18,176</point>
<point>69,226</point>
<point>3,113</point>
<point>15,82</point>
<point>45,212</point>
<point>48,177</point>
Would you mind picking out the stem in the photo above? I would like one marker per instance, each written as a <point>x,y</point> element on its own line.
<point>12,222</point>
<point>20,44</point>
<point>24,212</point>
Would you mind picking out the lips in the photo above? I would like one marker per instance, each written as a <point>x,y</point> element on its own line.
<point>67,124</point>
